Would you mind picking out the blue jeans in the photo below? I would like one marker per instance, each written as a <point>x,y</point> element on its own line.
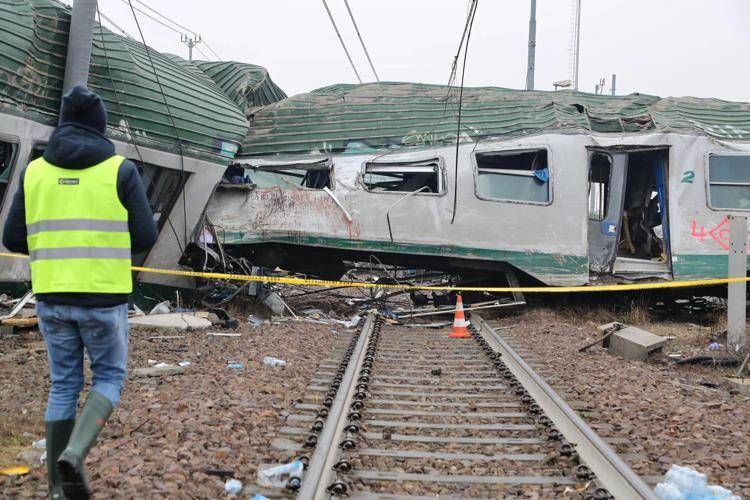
<point>103,331</point>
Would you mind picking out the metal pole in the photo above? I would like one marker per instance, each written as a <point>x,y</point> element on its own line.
<point>343,45</point>
<point>737,292</point>
<point>578,44</point>
<point>80,36</point>
<point>532,48</point>
<point>614,80</point>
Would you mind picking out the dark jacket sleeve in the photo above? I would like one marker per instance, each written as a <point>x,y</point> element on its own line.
<point>132,194</point>
<point>14,232</point>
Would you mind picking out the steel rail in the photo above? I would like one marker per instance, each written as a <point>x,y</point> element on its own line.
<point>320,470</point>
<point>611,471</point>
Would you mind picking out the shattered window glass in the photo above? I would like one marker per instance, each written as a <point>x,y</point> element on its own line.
<point>405,177</point>
<point>312,174</point>
<point>729,182</point>
<point>513,176</point>
<point>163,187</point>
<point>7,156</point>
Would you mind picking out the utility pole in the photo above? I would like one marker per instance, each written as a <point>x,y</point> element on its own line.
<point>614,79</point>
<point>532,48</point>
<point>80,35</point>
<point>576,43</point>
<point>190,42</point>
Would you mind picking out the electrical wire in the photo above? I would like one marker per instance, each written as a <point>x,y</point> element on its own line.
<point>201,53</point>
<point>171,118</point>
<point>367,54</point>
<point>166,18</point>
<point>460,102</point>
<point>110,21</point>
<point>125,122</point>
<point>212,50</point>
<point>343,45</point>
<point>127,2</point>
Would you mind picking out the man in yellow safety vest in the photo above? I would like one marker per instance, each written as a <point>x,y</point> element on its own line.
<point>79,212</point>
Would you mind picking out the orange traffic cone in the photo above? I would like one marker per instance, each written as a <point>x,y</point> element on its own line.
<point>459,330</point>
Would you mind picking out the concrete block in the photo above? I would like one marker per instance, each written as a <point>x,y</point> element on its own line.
<point>740,384</point>
<point>634,343</point>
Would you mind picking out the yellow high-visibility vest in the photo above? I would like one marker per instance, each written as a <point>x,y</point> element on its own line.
<point>77,229</point>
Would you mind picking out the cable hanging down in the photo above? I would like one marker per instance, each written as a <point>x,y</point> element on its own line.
<point>467,34</point>
<point>171,118</point>
<point>330,16</point>
<point>367,54</point>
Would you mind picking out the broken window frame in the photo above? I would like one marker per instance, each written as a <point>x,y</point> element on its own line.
<point>407,166</point>
<point>604,194</point>
<point>710,183</point>
<point>11,166</point>
<point>282,166</point>
<point>519,173</point>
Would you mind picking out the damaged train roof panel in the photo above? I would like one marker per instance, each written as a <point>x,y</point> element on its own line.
<point>355,118</point>
<point>33,46</point>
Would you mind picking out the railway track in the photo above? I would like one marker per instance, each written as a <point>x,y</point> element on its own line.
<point>410,413</point>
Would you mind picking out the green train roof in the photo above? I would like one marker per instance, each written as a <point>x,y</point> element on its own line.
<point>248,85</point>
<point>33,45</point>
<point>356,118</point>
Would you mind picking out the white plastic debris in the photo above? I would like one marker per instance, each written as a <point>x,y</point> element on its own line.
<point>233,486</point>
<point>184,363</point>
<point>278,476</point>
<point>354,321</point>
<point>161,308</point>
<point>684,483</point>
<point>39,445</point>
<point>258,496</point>
<point>270,361</point>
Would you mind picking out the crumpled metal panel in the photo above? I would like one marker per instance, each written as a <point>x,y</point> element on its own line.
<point>33,44</point>
<point>343,118</point>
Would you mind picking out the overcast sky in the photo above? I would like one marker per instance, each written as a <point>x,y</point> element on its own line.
<point>662,47</point>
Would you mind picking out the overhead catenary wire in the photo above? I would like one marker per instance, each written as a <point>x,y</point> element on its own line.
<point>168,19</point>
<point>217,56</point>
<point>110,21</point>
<point>472,15</point>
<point>343,45</point>
<point>361,41</point>
<point>125,122</point>
<point>171,118</point>
<point>127,2</point>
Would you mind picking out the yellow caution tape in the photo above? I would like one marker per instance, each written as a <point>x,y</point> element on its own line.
<point>285,280</point>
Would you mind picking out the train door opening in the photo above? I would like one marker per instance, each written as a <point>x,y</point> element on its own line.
<point>628,224</point>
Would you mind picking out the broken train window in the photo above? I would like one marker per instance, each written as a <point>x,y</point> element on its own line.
<point>729,182</point>
<point>599,180</point>
<point>7,157</point>
<point>425,176</point>
<point>513,176</point>
<point>286,174</point>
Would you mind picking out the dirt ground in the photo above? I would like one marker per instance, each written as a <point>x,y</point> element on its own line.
<point>171,435</point>
<point>180,436</point>
<point>669,414</point>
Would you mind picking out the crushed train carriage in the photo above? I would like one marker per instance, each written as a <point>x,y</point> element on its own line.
<point>181,128</point>
<point>565,188</point>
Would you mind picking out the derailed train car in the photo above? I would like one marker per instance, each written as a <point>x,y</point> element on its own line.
<point>181,128</point>
<point>565,188</point>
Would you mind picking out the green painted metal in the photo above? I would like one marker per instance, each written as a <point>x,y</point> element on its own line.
<point>344,118</point>
<point>248,85</point>
<point>33,43</point>
<point>535,263</point>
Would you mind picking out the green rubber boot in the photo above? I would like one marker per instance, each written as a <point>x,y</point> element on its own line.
<point>57,433</point>
<point>72,461</point>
